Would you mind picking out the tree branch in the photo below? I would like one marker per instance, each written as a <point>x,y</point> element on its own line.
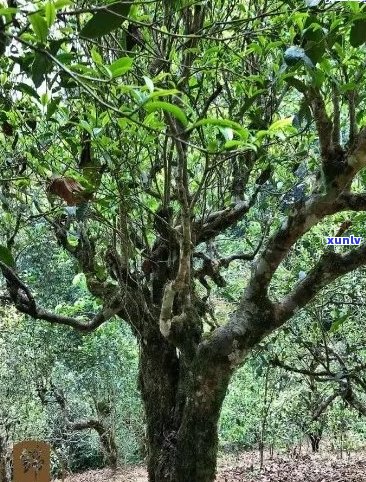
<point>324,405</point>
<point>209,101</point>
<point>336,132</point>
<point>257,315</point>
<point>322,121</point>
<point>352,116</point>
<point>24,301</point>
<point>330,267</point>
<point>181,283</point>
<point>317,375</point>
<point>219,221</point>
<point>308,215</point>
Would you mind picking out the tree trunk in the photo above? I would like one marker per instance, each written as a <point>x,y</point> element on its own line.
<point>198,434</point>
<point>158,381</point>
<point>315,441</point>
<point>182,400</point>
<point>4,466</point>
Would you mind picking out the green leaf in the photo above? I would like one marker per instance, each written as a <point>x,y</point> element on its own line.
<point>303,116</point>
<point>26,89</point>
<point>314,39</point>
<point>55,45</point>
<point>6,257</point>
<point>163,93</point>
<point>44,99</point>
<point>104,70</point>
<point>281,124</point>
<point>85,125</point>
<point>62,3</point>
<point>318,77</point>
<point>349,86</point>
<point>244,133</point>
<point>51,108</point>
<point>358,33</point>
<point>249,101</point>
<point>50,13</point>
<point>39,26</point>
<point>105,21</point>
<point>149,83</point>
<point>241,145</point>
<point>95,55</point>
<point>79,280</point>
<point>338,323</point>
<point>167,107</point>
<point>120,66</point>
<point>66,57</point>
<point>40,67</point>
<point>73,240</point>
<point>66,81</point>
<point>3,39</point>
<point>179,4</point>
<point>8,11</point>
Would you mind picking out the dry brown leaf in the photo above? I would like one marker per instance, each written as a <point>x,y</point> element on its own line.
<point>68,189</point>
<point>306,468</point>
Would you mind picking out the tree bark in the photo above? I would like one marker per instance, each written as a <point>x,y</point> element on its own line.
<point>315,442</point>
<point>106,436</point>
<point>4,465</point>
<point>197,443</point>
<point>158,382</point>
<point>182,400</point>
<point>183,392</point>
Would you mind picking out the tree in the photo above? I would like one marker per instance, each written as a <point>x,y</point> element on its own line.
<point>330,362</point>
<point>157,180</point>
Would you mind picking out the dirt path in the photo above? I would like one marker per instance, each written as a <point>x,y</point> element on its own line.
<point>245,468</point>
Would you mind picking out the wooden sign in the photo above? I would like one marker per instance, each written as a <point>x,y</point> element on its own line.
<point>31,461</point>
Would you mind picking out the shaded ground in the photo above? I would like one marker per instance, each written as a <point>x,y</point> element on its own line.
<point>245,467</point>
<point>303,469</point>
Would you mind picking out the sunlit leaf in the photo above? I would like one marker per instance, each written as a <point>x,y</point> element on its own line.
<point>242,132</point>
<point>281,124</point>
<point>336,325</point>
<point>39,26</point>
<point>50,13</point>
<point>149,83</point>
<point>163,93</point>
<point>120,66</point>
<point>95,55</point>
<point>8,11</point>
<point>167,107</point>
<point>62,3</point>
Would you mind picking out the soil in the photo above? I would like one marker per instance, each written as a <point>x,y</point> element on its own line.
<point>245,467</point>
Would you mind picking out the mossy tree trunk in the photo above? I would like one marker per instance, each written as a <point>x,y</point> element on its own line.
<point>182,405</point>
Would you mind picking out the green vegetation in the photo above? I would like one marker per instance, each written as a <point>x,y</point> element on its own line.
<point>170,171</point>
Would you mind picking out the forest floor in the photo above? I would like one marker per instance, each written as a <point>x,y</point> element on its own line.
<point>326,467</point>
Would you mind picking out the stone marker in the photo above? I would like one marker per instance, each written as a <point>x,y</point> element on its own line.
<point>31,460</point>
